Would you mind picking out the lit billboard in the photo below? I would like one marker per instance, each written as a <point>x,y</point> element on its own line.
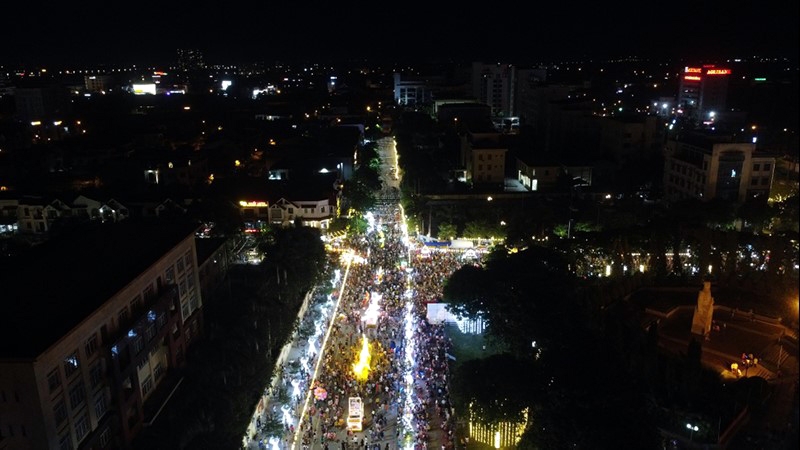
<point>144,88</point>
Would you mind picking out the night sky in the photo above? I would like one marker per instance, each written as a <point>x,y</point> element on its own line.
<point>235,31</point>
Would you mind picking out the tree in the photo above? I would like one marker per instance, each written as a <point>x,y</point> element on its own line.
<point>756,213</point>
<point>447,231</point>
<point>529,300</point>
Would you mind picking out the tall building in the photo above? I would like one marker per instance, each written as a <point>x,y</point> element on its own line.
<point>495,85</point>
<point>698,167</point>
<point>96,324</point>
<point>703,91</point>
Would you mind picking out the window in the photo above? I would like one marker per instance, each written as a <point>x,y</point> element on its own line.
<point>124,315</point>
<point>82,426</point>
<point>65,442</point>
<point>96,374</point>
<point>100,406</point>
<point>138,344</point>
<point>170,275</point>
<point>77,394</point>
<point>187,259</point>
<point>60,412</point>
<point>91,345</point>
<point>754,181</point>
<point>54,380</point>
<point>158,371</point>
<point>767,166</point>
<point>71,364</point>
<point>179,265</point>
<point>193,301</point>
<point>150,331</point>
<point>185,310</point>
<point>136,303</point>
<point>105,437</point>
<point>149,293</point>
<point>756,167</point>
<point>161,320</point>
<point>147,385</point>
<point>765,181</point>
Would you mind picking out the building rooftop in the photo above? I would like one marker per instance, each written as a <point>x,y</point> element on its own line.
<point>51,289</point>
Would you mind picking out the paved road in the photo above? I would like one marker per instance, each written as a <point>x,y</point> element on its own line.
<point>400,394</point>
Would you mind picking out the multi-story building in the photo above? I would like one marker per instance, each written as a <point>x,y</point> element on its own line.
<point>98,83</point>
<point>697,167</point>
<point>703,92</point>
<point>495,85</point>
<point>416,90</point>
<point>316,213</point>
<point>483,156</point>
<point>97,322</point>
<point>422,89</point>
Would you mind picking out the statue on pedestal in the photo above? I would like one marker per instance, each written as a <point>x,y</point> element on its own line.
<point>703,312</point>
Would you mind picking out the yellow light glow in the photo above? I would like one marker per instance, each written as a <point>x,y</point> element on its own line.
<point>361,368</point>
<point>252,204</point>
<point>496,439</point>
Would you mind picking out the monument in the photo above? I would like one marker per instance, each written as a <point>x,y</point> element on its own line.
<point>703,312</point>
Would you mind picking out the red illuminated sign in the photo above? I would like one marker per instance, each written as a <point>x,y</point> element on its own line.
<point>693,70</point>
<point>692,78</point>
<point>718,72</point>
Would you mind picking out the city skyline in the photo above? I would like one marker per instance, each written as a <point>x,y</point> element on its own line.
<point>242,32</point>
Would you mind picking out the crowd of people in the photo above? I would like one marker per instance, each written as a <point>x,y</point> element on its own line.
<point>404,388</point>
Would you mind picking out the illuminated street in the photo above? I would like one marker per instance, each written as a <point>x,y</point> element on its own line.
<point>373,371</point>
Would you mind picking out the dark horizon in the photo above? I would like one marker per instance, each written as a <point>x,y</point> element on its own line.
<point>241,33</point>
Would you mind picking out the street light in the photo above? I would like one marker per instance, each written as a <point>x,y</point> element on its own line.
<point>692,429</point>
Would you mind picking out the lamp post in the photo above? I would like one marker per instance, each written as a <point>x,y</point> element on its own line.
<point>692,429</point>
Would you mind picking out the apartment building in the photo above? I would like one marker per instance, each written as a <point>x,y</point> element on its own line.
<point>95,324</point>
<point>495,85</point>
<point>698,167</point>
